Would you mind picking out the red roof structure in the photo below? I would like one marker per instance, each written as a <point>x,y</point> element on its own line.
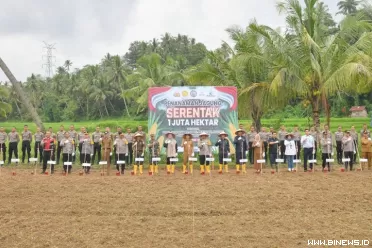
<point>357,108</point>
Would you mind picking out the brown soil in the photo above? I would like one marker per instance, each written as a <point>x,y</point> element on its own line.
<point>280,210</point>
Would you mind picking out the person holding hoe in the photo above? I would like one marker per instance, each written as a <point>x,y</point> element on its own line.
<point>154,150</point>
<point>348,149</point>
<point>223,151</point>
<point>240,150</point>
<point>121,145</point>
<point>258,153</point>
<point>290,150</point>
<point>106,149</point>
<point>68,148</point>
<point>188,151</point>
<point>326,144</point>
<point>139,150</point>
<point>205,152</point>
<point>367,149</point>
<point>86,151</point>
<point>273,150</point>
<point>170,145</point>
<point>308,143</point>
<point>48,144</point>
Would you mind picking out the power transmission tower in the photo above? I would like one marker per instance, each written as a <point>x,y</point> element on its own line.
<point>49,59</point>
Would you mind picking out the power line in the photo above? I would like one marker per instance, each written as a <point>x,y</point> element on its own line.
<point>49,59</point>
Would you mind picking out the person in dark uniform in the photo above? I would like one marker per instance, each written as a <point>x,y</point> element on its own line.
<point>38,150</point>
<point>240,150</point>
<point>13,138</point>
<point>60,137</point>
<point>223,151</point>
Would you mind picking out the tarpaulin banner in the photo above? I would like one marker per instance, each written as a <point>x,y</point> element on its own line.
<point>192,110</point>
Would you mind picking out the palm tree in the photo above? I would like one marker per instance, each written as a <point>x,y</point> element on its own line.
<point>119,78</point>
<point>151,72</point>
<point>4,106</point>
<point>348,7</point>
<point>67,65</point>
<point>18,88</point>
<point>312,65</point>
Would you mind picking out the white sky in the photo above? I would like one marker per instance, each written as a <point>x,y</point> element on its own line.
<point>85,30</point>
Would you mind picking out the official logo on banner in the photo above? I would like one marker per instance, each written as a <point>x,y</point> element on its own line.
<point>194,110</point>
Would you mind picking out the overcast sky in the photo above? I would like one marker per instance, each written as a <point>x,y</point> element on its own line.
<point>85,30</point>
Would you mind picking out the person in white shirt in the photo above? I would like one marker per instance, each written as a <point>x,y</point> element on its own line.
<point>290,150</point>
<point>308,144</point>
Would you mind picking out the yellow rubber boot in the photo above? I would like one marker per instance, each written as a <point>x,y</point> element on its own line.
<point>226,168</point>
<point>168,168</point>
<point>237,169</point>
<point>202,171</point>
<point>208,169</point>
<point>156,169</point>
<point>173,166</point>
<point>152,169</point>
<point>244,168</point>
<point>191,168</point>
<point>141,169</point>
<point>183,169</point>
<point>220,169</point>
<point>135,169</point>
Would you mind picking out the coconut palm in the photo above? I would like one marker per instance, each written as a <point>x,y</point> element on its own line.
<point>348,7</point>
<point>151,72</point>
<point>67,65</point>
<point>119,77</point>
<point>4,106</point>
<point>18,88</point>
<point>312,65</point>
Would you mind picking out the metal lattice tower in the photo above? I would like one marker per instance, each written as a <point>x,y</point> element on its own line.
<point>48,59</point>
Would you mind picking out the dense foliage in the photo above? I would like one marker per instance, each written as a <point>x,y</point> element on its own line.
<point>316,67</point>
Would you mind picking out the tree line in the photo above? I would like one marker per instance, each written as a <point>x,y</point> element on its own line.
<point>314,67</point>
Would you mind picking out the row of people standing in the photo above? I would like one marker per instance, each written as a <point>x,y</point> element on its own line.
<point>278,146</point>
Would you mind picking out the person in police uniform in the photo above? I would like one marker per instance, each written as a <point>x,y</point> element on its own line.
<point>154,152</point>
<point>354,135</point>
<point>250,135</point>
<point>60,137</point>
<point>97,139</point>
<point>38,150</point>
<point>80,138</point>
<point>297,139</point>
<point>114,137</point>
<point>129,137</point>
<point>13,138</point>
<point>3,139</point>
<point>327,150</point>
<point>26,144</point>
<point>68,148</point>
<point>264,135</point>
<point>365,130</point>
<point>52,134</point>
<point>73,135</point>
<point>339,134</point>
<point>87,151</point>
<point>316,138</point>
<point>281,136</point>
<point>121,145</point>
